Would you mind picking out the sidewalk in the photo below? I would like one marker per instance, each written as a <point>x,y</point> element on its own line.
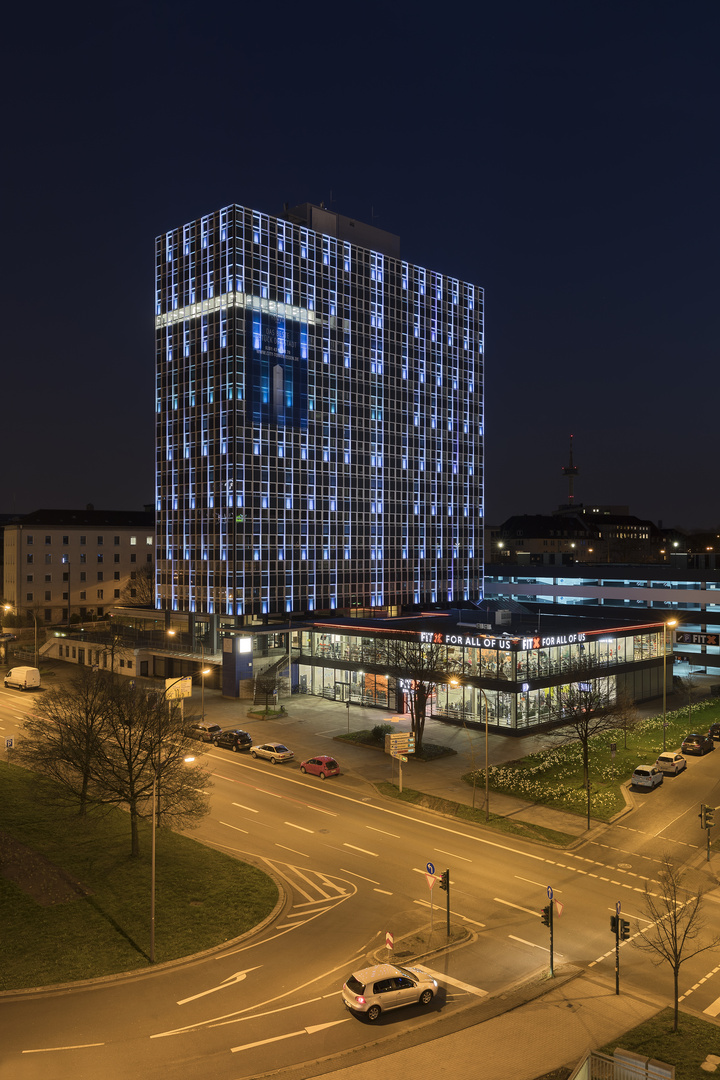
<point>522,1043</point>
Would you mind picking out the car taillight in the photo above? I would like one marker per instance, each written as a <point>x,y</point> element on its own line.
<point>360,1000</point>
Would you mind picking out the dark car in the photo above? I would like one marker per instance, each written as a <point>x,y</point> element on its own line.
<point>201,730</point>
<point>714,731</point>
<point>233,739</point>
<point>697,744</point>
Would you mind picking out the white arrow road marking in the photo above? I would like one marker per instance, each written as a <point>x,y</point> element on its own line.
<point>290,1035</point>
<point>442,978</point>
<point>231,980</point>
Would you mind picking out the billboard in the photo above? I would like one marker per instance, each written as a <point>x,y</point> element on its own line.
<point>275,370</point>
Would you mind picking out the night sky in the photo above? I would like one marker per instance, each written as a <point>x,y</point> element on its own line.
<point>562,155</point>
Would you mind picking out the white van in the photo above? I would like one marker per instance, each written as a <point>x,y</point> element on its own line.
<point>23,678</point>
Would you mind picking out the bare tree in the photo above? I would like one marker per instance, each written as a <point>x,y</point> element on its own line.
<point>140,590</point>
<point>61,737</point>
<point>422,667</point>
<point>626,715</point>
<point>689,685</point>
<point>266,685</point>
<point>584,708</point>
<point>676,925</point>
<point>145,747</point>
<point>108,743</point>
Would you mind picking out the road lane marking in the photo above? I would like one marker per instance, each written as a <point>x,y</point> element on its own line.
<point>532,944</point>
<point>384,832</point>
<point>363,850</point>
<point>456,914</point>
<point>442,978</point>
<point>528,911</point>
<point>540,884</point>
<point>302,827</point>
<point>452,855</point>
<point>264,792</point>
<point>383,891</point>
<point>294,852</point>
<point>714,1009</point>
<point>290,1035</point>
<point>371,880</point>
<point>232,980</point>
<point>250,809</point>
<point>53,1049</point>
<point>235,827</point>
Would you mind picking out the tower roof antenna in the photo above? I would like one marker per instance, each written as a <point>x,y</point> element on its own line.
<point>571,472</point>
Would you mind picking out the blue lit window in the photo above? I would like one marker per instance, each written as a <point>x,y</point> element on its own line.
<point>256,555</point>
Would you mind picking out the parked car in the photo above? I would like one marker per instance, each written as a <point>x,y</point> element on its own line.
<point>23,678</point>
<point>321,766</point>
<point>272,752</point>
<point>697,744</point>
<point>714,731</point>
<point>378,989</point>
<point>646,776</point>
<point>671,763</point>
<point>200,729</point>
<point>233,739</point>
<point>8,637</point>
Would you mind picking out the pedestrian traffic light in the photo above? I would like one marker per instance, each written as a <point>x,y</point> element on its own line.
<point>614,924</point>
<point>709,819</point>
<point>445,881</point>
<point>545,915</point>
<point>624,929</point>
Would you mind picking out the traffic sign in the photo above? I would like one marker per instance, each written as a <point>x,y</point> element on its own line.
<point>398,755</point>
<point>559,907</point>
<point>9,742</point>
<point>389,940</point>
<point>550,892</point>
<point>617,908</point>
<point>430,868</point>
<point>431,879</point>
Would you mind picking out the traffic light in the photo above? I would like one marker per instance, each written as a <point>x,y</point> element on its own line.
<point>445,880</point>
<point>614,923</point>
<point>545,915</point>
<point>703,816</point>
<point>624,929</point>
<point>709,819</point>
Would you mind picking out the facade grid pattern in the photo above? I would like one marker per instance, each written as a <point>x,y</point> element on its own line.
<point>319,411</point>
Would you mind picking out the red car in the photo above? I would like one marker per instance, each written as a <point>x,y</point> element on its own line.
<point>321,766</point>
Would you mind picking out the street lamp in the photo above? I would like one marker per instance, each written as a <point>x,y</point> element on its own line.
<point>187,761</point>
<point>670,622</point>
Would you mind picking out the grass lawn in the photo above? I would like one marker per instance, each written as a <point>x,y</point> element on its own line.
<point>75,905</point>
<point>686,1050</point>
<point>554,777</point>
<point>510,826</point>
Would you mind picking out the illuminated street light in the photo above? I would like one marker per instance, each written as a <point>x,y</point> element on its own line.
<point>670,622</point>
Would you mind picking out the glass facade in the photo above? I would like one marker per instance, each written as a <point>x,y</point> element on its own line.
<point>519,680</point>
<point>319,410</point>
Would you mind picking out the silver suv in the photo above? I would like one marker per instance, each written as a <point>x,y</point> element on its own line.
<point>378,989</point>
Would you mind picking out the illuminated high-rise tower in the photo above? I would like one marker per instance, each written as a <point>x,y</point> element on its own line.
<point>319,419</point>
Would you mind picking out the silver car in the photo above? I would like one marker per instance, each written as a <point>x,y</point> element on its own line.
<point>378,989</point>
<point>646,776</point>
<point>671,763</point>
<point>272,751</point>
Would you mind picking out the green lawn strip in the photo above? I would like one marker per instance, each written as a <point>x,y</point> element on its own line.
<point>554,776</point>
<point>203,897</point>
<point>686,1049</point>
<point>510,826</point>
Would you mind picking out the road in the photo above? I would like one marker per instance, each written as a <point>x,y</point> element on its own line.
<point>353,866</point>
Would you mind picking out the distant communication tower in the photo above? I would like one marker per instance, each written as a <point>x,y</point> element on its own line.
<point>571,472</point>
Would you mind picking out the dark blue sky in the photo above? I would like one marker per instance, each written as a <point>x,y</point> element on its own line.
<point>563,155</point>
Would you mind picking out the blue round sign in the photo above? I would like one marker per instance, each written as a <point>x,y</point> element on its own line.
<point>550,892</point>
<point>430,868</point>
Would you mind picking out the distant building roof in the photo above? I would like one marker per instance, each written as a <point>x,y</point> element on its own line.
<point>87,518</point>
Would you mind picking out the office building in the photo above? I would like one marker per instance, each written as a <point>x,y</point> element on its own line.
<point>319,413</point>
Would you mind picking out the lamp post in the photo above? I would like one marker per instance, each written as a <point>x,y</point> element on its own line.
<point>670,622</point>
<point>487,762</point>
<point>187,760</point>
